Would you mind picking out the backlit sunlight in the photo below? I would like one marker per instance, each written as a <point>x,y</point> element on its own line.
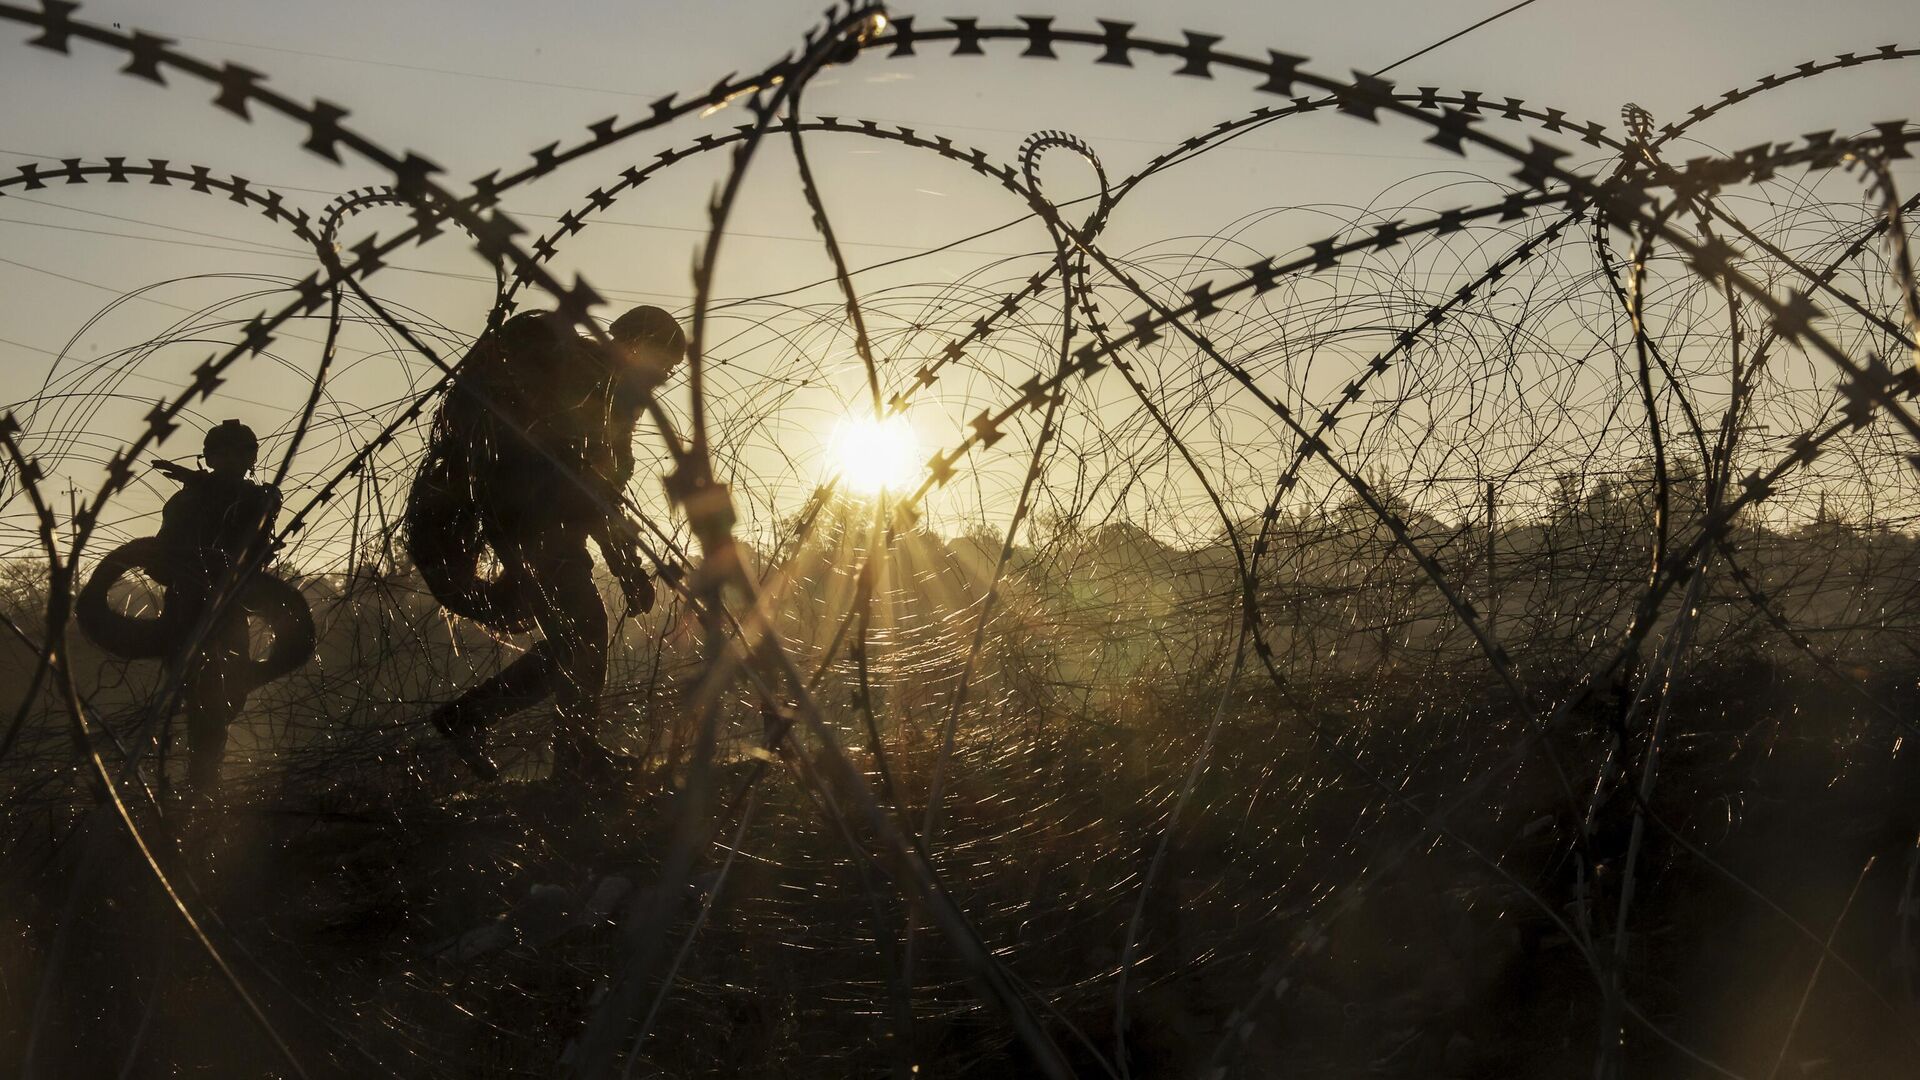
<point>875,455</point>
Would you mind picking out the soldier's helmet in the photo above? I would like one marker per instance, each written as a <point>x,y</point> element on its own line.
<point>231,438</point>
<point>650,330</point>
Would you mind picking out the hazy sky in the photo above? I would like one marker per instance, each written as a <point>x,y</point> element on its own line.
<point>475,86</point>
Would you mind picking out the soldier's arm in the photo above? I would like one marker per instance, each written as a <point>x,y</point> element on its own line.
<point>269,517</point>
<point>248,524</point>
<point>270,511</point>
<point>619,541</point>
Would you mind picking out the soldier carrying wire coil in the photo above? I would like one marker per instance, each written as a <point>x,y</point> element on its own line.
<point>527,459</point>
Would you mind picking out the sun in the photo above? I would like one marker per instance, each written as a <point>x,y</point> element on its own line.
<point>874,455</point>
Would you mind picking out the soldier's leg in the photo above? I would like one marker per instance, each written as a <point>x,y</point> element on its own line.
<point>524,682</point>
<point>216,690</point>
<point>207,721</point>
<point>573,619</point>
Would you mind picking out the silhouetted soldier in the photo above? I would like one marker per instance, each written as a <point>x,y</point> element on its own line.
<point>529,455</point>
<point>209,531</point>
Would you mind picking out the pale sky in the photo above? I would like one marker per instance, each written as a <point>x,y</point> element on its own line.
<point>476,86</point>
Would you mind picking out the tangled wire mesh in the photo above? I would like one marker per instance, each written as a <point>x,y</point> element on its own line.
<point>1478,640</point>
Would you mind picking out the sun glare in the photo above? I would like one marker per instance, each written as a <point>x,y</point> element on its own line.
<point>875,456</point>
